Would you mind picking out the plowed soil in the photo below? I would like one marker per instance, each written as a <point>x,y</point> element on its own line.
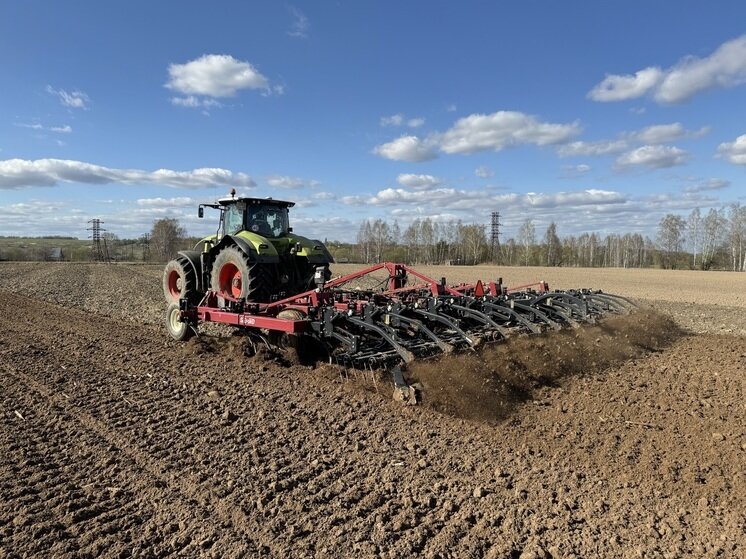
<point>626,440</point>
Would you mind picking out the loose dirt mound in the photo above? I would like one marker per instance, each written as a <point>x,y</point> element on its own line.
<point>488,384</point>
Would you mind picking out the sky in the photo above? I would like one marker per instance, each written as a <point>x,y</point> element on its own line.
<point>599,116</point>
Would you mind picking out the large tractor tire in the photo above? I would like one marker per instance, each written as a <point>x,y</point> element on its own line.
<point>180,331</point>
<point>234,276</point>
<point>180,280</point>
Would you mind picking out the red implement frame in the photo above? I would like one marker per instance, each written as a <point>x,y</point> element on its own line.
<point>264,315</point>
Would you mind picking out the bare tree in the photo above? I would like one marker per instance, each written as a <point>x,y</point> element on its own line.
<point>670,238</point>
<point>552,246</point>
<point>380,238</point>
<point>164,238</point>
<point>364,241</point>
<point>694,234</point>
<point>713,229</point>
<point>527,239</point>
<point>474,240</point>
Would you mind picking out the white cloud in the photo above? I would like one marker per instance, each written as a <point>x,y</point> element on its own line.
<point>66,129</point>
<point>75,99</point>
<point>726,67</point>
<point>194,102</point>
<point>215,75</point>
<point>656,157</point>
<point>665,133</point>
<point>708,186</point>
<point>479,132</point>
<point>618,88</point>
<point>735,152</point>
<point>33,126</point>
<point>392,120</point>
<point>324,196</point>
<point>484,172</point>
<point>406,148</point>
<point>451,108</point>
<point>418,181</point>
<point>300,25</point>
<point>179,202</point>
<point>400,120</point>
<point>281,181</point>
<point>20,173</point>
<point>502,129</point>
<point>601,147</point>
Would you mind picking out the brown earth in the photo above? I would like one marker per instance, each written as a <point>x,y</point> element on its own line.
<point>623,441</point>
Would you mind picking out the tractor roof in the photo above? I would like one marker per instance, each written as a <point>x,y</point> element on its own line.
<point>270,201</point>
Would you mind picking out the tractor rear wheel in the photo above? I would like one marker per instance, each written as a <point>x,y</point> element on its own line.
<point>180,331</point>
<point>236,277</point>
<point>180,280</point>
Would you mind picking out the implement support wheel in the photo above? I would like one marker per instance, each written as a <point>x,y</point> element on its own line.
<point>180,331</point>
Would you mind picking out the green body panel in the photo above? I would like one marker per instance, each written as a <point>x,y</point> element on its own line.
<point>268,247</point>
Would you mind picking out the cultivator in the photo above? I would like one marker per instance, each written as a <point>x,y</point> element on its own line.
<point>406,316</point>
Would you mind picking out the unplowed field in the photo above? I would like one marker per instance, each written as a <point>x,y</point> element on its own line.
<point>625,440</point>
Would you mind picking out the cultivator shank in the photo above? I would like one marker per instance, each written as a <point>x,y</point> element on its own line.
<point>407,316</point>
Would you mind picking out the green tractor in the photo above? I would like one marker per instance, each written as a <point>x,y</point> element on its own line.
<point>253,257</point>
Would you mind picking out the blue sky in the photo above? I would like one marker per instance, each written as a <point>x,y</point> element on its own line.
<point>601,116</point>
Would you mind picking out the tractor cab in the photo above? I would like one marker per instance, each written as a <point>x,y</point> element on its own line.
<point>265,217</point>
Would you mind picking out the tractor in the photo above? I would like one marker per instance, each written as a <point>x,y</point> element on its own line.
<point>254,255</point>
<point>275,287</point>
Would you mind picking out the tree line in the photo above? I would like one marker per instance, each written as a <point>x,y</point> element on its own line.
<point>712,240</point>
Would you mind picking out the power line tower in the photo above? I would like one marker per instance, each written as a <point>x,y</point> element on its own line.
<point>495,238</point>
<point>99,251</point>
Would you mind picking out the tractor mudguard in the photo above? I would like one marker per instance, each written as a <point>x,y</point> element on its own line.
<point>267,256</point>
<point>309,249</point>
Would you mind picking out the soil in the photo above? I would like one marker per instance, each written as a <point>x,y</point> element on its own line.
<point>622,440</point>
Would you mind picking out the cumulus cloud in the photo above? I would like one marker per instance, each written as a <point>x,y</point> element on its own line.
<point>484,172</point>
<point>630,86</point>
<point>480,132</point>
<point>21,173</point>
<point>726,67</point>
<point>601,147</point>
<point>708,186</point>
<point>502,129</point>
<point>735,152</point>
<point>66,129</point>
<point>300,25</point>
<point>415,122</point>
<point>215,75</point>
<point>418,181</point>
<point>282,181</point>
<point>74,99</point>
<point>665,133</point>
<point>655,157</point>
<point>407,148</point>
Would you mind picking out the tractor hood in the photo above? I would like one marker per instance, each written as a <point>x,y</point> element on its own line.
<point>272,249</point>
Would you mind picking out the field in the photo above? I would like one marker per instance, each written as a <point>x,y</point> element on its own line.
<point>627,439</point>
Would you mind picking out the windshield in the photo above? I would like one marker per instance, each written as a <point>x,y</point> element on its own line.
<point>267,220</point>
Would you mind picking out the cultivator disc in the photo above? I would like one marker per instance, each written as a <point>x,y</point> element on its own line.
<point>408,315</point>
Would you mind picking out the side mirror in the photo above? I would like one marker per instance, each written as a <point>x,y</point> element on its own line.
<point>290,229</point>
<point>201,212</point>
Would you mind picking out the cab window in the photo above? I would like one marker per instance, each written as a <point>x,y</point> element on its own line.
<point>233,219</point>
